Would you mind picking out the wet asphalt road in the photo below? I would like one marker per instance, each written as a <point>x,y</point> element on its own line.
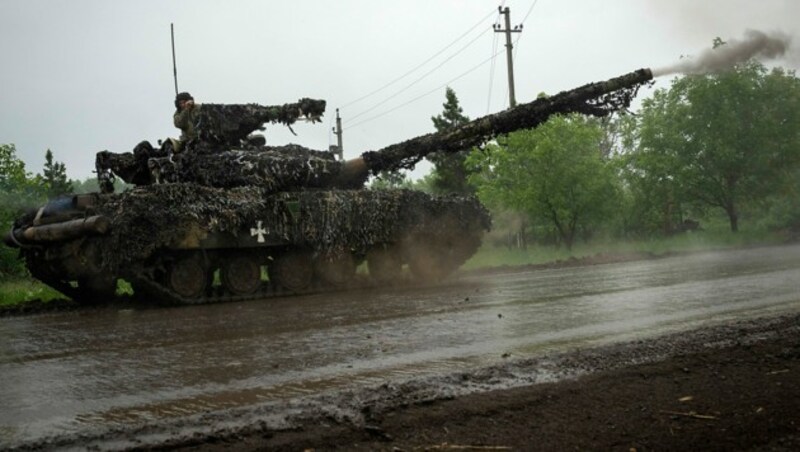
<point>67,374</point>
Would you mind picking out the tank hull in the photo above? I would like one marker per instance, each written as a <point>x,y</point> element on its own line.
<point>185,243</point>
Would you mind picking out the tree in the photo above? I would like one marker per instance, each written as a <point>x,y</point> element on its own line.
<point>90,185</point>
<point>450,174</point>
<point>390,180</point>
<point>782,210</point>
<point>54,177</point>
<point>12,169</point>
<point>18,191</point>
<point>653,199</point>
<point>722,140</point>
<point>554,173</point>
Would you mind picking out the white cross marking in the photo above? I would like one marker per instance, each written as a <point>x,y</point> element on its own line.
<point>259,231</point>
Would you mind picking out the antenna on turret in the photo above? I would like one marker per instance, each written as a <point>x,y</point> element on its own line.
<point>174,66</point>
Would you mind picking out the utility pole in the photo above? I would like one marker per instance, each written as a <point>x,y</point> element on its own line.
<point>512,100</point>
<point>337,148</point>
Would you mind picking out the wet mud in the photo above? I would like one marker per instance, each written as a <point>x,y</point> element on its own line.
<point>733,387</point>
<point>617,356</point>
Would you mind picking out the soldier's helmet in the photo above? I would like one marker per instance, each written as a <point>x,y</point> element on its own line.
<point>181,97</point>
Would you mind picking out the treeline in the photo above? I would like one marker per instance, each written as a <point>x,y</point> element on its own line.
<point>726,144</point>
<point>21,190</point>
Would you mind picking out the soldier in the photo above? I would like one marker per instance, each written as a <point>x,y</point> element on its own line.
<point>184,118</point>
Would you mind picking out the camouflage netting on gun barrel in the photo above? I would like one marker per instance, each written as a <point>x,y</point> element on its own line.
<point>147,219</point>
<point>596,99</point>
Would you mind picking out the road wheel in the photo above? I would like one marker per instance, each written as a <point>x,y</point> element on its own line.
<point>384,264</point>
<point>427,262</point>
<point>336,269</point>
<point>240,275</point>
<point>187,277</point>
<point>96,289</point>
<point>292,270</point>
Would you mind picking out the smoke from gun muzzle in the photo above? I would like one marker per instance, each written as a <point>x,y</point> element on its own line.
<point>755,44</point>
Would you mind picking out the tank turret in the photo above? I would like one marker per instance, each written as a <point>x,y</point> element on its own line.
<point>230,124</point>
<point>224,158</point>
<point>205,224</point>
<point>220,128</point>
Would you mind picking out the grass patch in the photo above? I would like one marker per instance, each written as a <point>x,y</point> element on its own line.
<point>124,287</point>
<point>21,290</point>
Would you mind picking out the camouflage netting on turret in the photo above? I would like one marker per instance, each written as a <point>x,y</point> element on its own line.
<point>231,123</point>
<point>272,168</point>
<point>147,219</point>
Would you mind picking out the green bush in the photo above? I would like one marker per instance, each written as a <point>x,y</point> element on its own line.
<point>12,205</point>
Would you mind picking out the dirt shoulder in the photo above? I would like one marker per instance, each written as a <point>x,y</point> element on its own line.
<point>733,387</point>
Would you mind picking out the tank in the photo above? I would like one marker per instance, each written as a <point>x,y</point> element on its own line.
<point>230,218</point>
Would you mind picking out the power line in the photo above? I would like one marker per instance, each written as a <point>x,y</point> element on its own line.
<point>529,11</point>
<point>491,69</point>
<point>419,65</point>
<point>473,69</point>
<point>425,75</point>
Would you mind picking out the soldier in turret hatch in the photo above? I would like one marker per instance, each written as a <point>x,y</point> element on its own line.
<point>184,118</point>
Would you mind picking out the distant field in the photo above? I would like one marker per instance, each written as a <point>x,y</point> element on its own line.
<point>491,256</point>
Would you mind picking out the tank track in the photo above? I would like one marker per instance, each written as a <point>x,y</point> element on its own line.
<point>154,290</point>
<point>149,289</point>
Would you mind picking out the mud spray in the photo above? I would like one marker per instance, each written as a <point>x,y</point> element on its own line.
<point>755,44</point>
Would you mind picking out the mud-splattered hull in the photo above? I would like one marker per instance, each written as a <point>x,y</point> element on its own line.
<point>187,243</point>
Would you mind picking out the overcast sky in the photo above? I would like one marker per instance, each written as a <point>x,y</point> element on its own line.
<point>81,76</point>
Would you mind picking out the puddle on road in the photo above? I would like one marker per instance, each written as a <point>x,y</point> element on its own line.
<point>418,365</point>
<point>205,403</point>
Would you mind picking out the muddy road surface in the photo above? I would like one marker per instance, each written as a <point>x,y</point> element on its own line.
<point>120,378</point>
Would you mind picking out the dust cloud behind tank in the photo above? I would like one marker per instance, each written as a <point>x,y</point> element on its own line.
<point>205,224</point>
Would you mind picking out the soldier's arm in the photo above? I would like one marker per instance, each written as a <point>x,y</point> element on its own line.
<point>181,118</point>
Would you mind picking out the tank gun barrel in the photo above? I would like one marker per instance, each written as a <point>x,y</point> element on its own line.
<point>56,232</point>
<point>596,99</point>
